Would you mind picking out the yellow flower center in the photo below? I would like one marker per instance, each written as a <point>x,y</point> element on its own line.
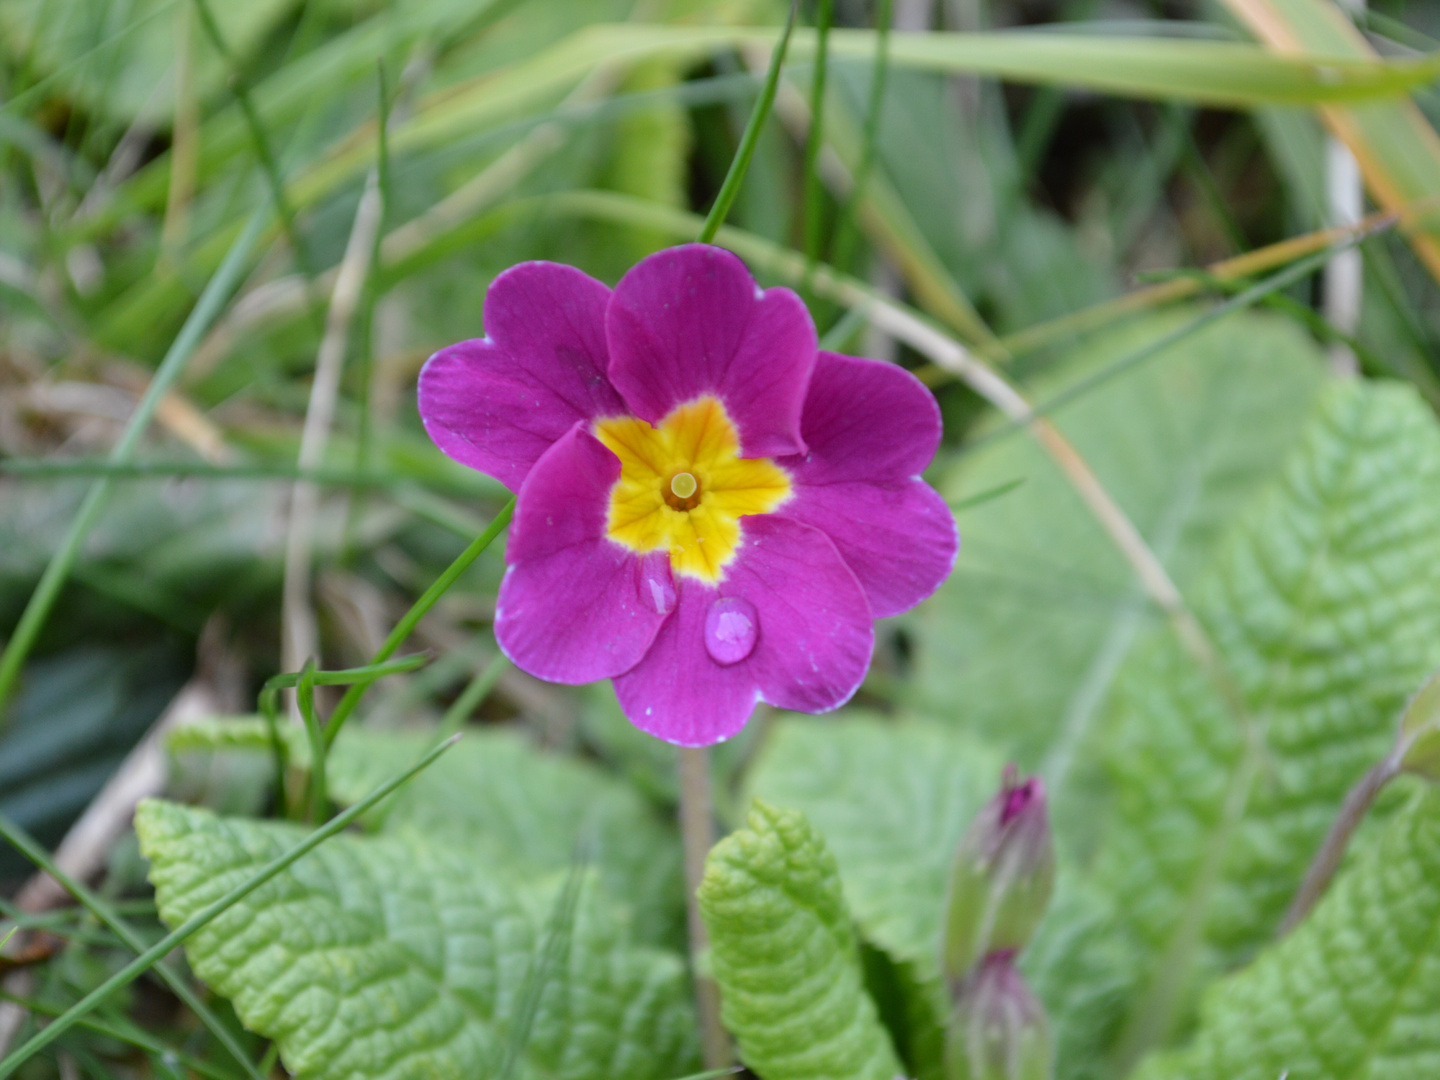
<point>683,486</point>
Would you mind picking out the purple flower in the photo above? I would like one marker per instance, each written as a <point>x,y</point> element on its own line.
<point>709,511</point>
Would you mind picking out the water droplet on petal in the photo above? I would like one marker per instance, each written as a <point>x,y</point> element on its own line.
<point>732,627</point>
<point>654,582</point>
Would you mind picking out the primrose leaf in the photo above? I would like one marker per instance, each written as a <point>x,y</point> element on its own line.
<point>785,956</point>
<point>1353,993</point>
<point>1324,607</point>
<point>495,791</point>
<point>496,795</point>
<point>1023,642</point>
<point>892,799</point>
<point>376,958</point>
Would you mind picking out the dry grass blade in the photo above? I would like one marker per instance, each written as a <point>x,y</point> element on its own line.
<point>1397,149</point>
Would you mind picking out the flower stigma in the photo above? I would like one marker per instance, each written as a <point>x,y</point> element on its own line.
<point>683,486</point>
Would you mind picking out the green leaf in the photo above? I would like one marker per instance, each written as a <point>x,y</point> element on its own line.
<point>509,802</point>
<point>393,957</point>
<point>1324,606</point>
<point>1353,993</point>
<point>498,796</point>
<point>892,800</point>
<point>785,955</point>
<point>1024,641</point>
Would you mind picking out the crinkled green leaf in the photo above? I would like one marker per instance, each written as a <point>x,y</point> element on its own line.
<point>1324,606</point>
<point>785,955</point>
<point>501,798</point>
<point>892,799</point>
<point>1024,641</point>
<point>389,957</point>
<point>495,791</point>
<point>1353,993</point>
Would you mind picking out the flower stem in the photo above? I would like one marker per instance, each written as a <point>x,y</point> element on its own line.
<point>697,835</point>
<point>1327,860</point>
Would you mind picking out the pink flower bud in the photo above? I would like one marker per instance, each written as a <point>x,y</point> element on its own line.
<point>998,1030</point>
<point>1003,875</point>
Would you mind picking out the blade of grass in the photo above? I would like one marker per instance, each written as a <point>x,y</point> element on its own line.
<point>58,570</point>
<point>1068,327</point>
<point>814,196</point>
<point>417,611</point>
<point>557,946</point>
<point>361,676</point>
<point>24,843</point>
<point>741,162</point>
<point>35,91</point>
<point>263,151</point>
<point>299,635</point>
<point>131,1034</point>
<point>1398,150</point>
<point>317,801</point>
<point>1253,295</point>
<point>846,233</point>
<point>365,325</point>
<point>48,469</point>
<point>476,691</point>
<point>981,497</point>
<point>1198,71</point>
<point>146,960</point>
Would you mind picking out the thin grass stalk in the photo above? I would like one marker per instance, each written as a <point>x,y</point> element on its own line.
<point>1091,319</point>
<point>130,1034</point>
<point>846,231</point>
<point>206,915</point>
<point>317,796</point>
<point>58,570</point>
<point>559,931</point>
<point>697,837</point>
<point>814,193</point>
<point>735,176</point>
<point>417,611</point>
<point>365,360</point>
<point>476,691</point>
<point>1247,298</point>
<point>185,140</point>
<point>299,635</point>
<point>263,151</point>
<point>26,845</point>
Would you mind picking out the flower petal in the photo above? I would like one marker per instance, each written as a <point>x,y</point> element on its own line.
<point>899,537</point>
<point>865,420</point>
<point>689,321</point>
<point>497,403</point>
<point>816,628</point>
<point>574,605</point>
<point>871,428</point>
<point>811,651</point>
<point>677,692</point>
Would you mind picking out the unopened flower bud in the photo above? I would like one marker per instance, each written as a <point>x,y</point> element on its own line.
<point>998,1030</point>
<point>1004,872</point>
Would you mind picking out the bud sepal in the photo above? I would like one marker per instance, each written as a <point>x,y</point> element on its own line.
<point>1003,876</point>
<point>998,1030</point>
